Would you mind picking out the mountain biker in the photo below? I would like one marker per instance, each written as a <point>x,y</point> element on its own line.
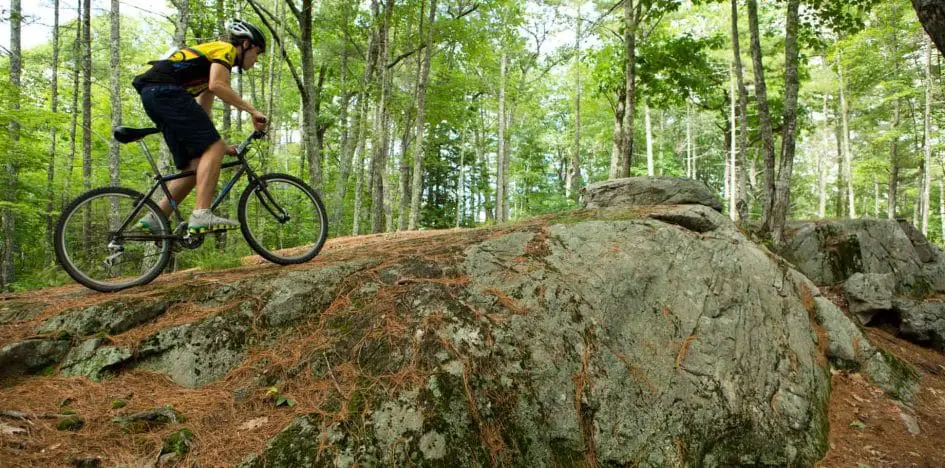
<point>177,93</point>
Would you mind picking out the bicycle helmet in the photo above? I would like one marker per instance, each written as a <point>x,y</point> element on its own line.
<point>240,29</point>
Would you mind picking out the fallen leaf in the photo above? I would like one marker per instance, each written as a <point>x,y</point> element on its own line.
<point>253,424</point>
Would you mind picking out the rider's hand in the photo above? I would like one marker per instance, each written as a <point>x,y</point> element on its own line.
<point>260,121</point>
<point>231,149</point>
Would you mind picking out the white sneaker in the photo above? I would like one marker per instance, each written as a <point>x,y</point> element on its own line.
<point>150,223</point>
<point>202,221</point>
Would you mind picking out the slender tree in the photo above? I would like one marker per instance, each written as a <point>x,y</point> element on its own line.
<point>782,195</point>
<point>764,114</point>
<point>54,107</point>
<point>742,198</point>
<point>417,188</point>
<point>114,173</point>
<point>7,217</point>
<point>927,145</point>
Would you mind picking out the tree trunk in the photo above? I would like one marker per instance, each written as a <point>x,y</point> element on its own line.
<point>764,115</point>
<point>359,183</point>
<point>630,75</point>
<point>501,213</point>
<point>574,180</point>
<point>74,119</point>
<point>616,150</point>
<point>894,166</point>
<point>875,197</point>
<point>7,216</point>
<point>86,112</point>
<point>114,173</point>
<point>183,19</point>
<point>648,124</point>
<point>733,190</point>
<point>309,112</point>
<point>418,157</point>
<point>315,154</point>
<point>403,210</point>
<point>927,166</point>
<point>690,151</point>
<point>742,199</point>
<point>941,205</point>
<point>782,201</point>
<point>847,155</point>
<point>821,167</point>
<point>931,14</point>
<point>381,135</point>
<point>54,107</point>
<point>841,201</point>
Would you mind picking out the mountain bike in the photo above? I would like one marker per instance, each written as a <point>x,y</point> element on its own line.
<point>99,244</point>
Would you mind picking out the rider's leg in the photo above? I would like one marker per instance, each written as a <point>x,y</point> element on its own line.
<point>180,188</point>
<point>208,171</point>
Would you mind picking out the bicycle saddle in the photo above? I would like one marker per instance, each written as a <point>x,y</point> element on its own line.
<point>129,135</point>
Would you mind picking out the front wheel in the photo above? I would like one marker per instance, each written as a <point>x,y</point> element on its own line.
<point>283,219</point>
<point>93,249</point>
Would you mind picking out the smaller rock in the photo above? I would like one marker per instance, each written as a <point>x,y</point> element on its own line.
<point>869,293</point>
<point>645,191</point>
<point>178,443</point>
<point>93,358</point>
<point>923,248</point>
<point>922,322</point>
<point>696,218</point>
<point>168,459</point>
<point>71,423</point>
<point>912,425</point>
<point>146,421</point>
<point>31,356</point>
<point>86,462</point>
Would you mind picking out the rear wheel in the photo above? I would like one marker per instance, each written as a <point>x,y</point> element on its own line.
<point>283,219</point>
<point>93,253</point>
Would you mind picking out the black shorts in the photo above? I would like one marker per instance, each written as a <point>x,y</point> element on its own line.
<point>187,128</point>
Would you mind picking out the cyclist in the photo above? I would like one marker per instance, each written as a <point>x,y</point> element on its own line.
<point>177,93</point>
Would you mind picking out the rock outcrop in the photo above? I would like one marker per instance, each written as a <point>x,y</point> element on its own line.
<point>628,335</point>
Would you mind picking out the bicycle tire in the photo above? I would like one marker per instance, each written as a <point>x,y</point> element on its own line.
<point>274,255</point>
<point>84,277</point>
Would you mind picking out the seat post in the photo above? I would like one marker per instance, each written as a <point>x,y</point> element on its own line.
<point>147,153</point>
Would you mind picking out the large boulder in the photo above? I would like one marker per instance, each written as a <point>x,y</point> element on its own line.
<point>646,191</point>
<point>614,338</point>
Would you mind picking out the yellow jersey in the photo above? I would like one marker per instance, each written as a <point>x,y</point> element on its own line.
<point>189,67</point>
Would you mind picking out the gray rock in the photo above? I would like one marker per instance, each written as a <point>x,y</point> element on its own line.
<point>922,322</point>
<point>110,317</point>
<point>630,341</point>
<point>868,294</point>
<point>18,311</point>
<point>146,421</point>
<point>927,252</point>
<point>696,218</point>
<point>830,252</point>
<point>848,348</point>
<point>94,358</point>
<point>196,354</point>
<point>643,191</point>
<point>299,295</point>
<point>31,356</point>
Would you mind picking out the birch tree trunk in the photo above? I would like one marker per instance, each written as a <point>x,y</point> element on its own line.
<point>764,114</point>
<point>7,217</point>
<point>847,155</point>
<point>417,188</point>
<point>894,166</point>
<point>650,171</point>
<point>501,214</point>
<point>733,191</point>
<point>690,151</point>
<point>574,180</point>
<point>927,166</point>
<point>114,152</point>
<point>822,167</point>
<point>782,200</point>
<point>54,107</point>
<point>742,198</point>
<point>616,150</point>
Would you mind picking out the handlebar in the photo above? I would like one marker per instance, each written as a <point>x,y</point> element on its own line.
<point>256,135</point>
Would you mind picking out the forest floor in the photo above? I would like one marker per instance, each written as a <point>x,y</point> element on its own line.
<point>867,428</point>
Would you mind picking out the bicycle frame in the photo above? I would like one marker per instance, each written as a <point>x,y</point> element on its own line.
<point>161,182</point>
